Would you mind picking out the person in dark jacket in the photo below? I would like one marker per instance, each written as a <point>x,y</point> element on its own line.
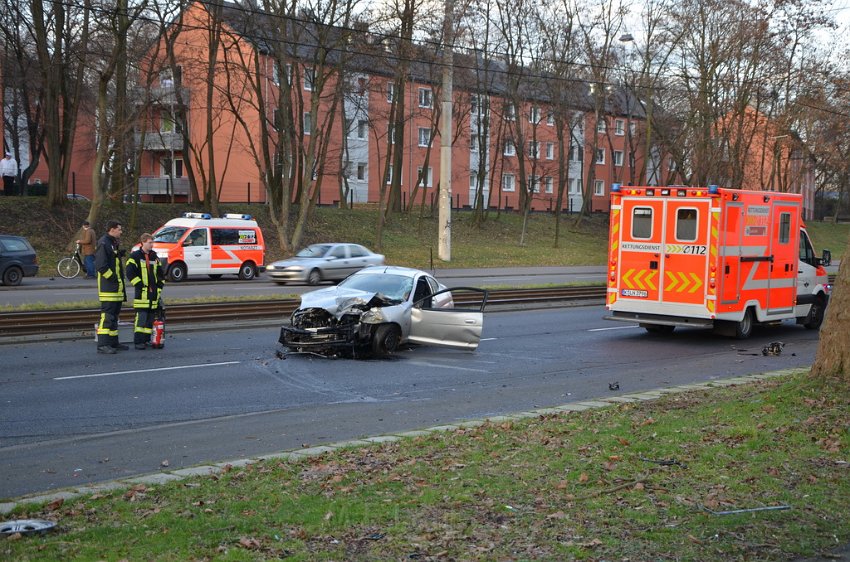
<point>110,288</point>
<point>145,274</point>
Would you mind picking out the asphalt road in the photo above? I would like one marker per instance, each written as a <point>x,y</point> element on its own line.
<point>71,417</point>
<point>52,290</point>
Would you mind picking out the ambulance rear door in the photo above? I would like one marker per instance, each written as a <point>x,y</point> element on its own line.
<point>684,263</point>
<point>641,242</point>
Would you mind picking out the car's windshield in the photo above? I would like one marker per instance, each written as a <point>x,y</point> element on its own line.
<point>313,251</point>
<point>169,234</point>
<point>394,287</point>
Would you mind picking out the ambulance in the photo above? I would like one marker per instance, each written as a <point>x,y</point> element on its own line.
<point>711,257</point>
<point>198,244</point>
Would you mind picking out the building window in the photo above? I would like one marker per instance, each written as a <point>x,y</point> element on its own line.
<point>425,97</point>
<point>618,157</point>
<point>308,123</point>
<point>550,118</point>
<point>473,143</point>
<point>309,78</point>
<point>533,149</point>
<point>601,126</point>
<point>508,182</point>
<point>390,92</point>
<point>599,187</point>
<point>480,105</point>
<point>510,112</point>
<point>361,129</point>
<point>619,127</point>
<point>349,127</point>
<point>426,179</point>
<point>548,184</point>
<point>534,115</point>
<point>574,186</point>
<point>632,128</point>
<point>550,151</point>
<point>361,171</point>
<point>510,148</point>
<point>390,173</point>
<point>424,136</point>
<point>575,154</point>
<point>600,155</point>
<point>534,184</point>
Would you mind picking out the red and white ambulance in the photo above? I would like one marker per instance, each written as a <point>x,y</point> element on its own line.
<point>711,257</point>
<point>198,244</point>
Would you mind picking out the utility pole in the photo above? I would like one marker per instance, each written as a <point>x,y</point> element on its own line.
<point>445,207</point>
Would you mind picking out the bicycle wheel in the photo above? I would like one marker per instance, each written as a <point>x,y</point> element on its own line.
<point>68,268</point>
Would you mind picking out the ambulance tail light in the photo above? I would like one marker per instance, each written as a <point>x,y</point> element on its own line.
<point>635,191</point>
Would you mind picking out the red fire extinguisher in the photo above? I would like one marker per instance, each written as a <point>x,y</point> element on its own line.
<point>158,335</point>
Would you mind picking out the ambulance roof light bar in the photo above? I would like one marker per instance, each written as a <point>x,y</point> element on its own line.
<point>206,216</point>
<point>237,216</point>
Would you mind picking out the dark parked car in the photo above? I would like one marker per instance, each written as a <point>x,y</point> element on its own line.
<point>17,259</point>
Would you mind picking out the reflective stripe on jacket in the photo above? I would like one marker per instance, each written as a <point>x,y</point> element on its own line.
<point>146,278</point>
<point>110,271</point>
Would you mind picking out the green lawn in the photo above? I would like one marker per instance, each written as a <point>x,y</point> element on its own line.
<point>637,481</point>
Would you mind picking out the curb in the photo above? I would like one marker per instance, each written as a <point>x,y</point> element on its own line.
<point>296,454</point>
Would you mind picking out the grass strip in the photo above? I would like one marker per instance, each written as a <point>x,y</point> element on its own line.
<point>633,481</point>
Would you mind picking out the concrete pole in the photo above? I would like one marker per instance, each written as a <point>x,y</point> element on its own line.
<point>445,207</point>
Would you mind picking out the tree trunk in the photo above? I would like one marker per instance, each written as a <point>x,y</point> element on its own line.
<point>833,355</point>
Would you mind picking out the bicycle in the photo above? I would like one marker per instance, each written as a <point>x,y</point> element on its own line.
<point>70,266</point>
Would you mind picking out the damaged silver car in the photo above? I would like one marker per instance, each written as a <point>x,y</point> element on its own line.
<point>378,309</point>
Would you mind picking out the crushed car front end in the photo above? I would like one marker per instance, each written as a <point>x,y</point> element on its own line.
<point>348,326</point>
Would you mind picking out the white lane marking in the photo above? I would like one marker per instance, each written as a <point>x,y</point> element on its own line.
<point>617,328</point>
<point>439,366</point>
<point>112,374</point>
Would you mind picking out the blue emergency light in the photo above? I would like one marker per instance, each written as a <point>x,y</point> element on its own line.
<point>615,188</point>
<point>712,189</point>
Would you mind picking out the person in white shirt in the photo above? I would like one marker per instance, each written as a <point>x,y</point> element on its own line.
<point>9,171</point>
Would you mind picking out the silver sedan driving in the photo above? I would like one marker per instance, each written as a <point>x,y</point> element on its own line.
<point>323,262</point>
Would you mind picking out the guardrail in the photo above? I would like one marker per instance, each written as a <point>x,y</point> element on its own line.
<point>52,321</point>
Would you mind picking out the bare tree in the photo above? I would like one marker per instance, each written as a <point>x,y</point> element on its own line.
<point>61,34</point>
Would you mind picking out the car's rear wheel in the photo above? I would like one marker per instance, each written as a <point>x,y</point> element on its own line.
<point>744,328</point>
<point>248,271</point>
<point>815,317</point>
<point>12,276</point>
<point>177,272</point>
<point>314,277</point>
<point>385,340</point>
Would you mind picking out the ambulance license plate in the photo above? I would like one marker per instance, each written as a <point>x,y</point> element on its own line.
<point>634,293</point>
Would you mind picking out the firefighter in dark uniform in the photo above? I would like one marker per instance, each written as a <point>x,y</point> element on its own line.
<point>145,274</point>
<point>110,288</point>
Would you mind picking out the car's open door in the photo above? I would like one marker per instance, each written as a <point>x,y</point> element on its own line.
<point>455,321</point>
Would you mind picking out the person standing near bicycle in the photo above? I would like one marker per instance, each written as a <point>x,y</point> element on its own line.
<point>87,242</point>
<point>145,274</point>
<point>110,287</point>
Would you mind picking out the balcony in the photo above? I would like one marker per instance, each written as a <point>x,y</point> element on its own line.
<point>161,95</point>
<point>163,186</point>
<point>160,141</point>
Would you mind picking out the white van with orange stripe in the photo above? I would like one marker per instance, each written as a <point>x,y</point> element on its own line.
<point>197,244</point>
<point>711,257</point>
